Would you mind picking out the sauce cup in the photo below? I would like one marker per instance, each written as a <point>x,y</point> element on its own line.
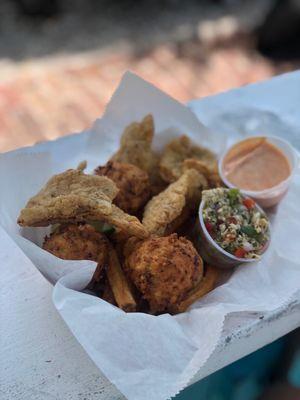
<point>271,196</point>
<point>213,254</point>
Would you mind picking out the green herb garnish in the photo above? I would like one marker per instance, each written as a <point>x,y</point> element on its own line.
<point>250,231</point>
<point>233,196</point>
<point>102,227</point>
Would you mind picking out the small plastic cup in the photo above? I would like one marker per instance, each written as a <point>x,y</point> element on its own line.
<point>268,197</point>
<point>213,254</point>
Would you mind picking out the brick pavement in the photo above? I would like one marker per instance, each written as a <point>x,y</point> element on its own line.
<point>45,99</point>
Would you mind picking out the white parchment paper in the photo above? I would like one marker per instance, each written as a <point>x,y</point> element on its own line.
<point>146,357</point>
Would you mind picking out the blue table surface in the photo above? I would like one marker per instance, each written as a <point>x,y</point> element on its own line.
<point>243,380</point>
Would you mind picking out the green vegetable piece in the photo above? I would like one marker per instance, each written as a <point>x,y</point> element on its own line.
<point>233,196</point>
<point>250,231</point>
<point>102,227</point>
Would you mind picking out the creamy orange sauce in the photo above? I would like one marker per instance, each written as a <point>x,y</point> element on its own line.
<point>256,164</point>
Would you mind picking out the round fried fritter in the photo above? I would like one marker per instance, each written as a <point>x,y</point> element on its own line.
<point>77,242</point>
<point>164,269</point>
<point>132,182</point>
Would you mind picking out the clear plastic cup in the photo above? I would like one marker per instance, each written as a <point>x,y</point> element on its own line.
<point>213,254</point>
<point>271,196</point>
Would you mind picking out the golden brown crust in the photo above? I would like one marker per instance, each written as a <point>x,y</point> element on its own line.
<point>132,182</point>
<point>164,269</point>
<point>136,149</point>
<point>135,146</point>
<point>177,151</point>
<point>206,285</point>
<point>163,209</point>
<point>198,165</point>
<point>77,242</point>
<point>211,174</point>
<point>179,221</point>
<point>127,223</point>
<point>73,196</point>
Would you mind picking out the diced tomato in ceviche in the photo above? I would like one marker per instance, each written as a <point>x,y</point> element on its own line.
<point>249,203</point>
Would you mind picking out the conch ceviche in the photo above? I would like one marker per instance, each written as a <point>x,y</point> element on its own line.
<point>235,223</point>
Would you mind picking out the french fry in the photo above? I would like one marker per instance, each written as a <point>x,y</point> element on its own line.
<point>205,285</point>
<point>118,283</point>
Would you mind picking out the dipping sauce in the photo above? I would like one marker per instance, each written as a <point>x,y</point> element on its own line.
<point>256,164</point>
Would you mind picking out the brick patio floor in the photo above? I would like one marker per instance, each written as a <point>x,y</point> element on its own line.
<point>45,99</point>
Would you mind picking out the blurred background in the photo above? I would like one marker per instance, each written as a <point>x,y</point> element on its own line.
<point>60,60</point>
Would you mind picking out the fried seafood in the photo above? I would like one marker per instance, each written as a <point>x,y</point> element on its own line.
<point>167,211</point>
<point>214,179</point>
<point>210,174</point>
<point>149,266</point>
<point>135,146</point>
<point>73,196</point>
<point>126,223</point>
<point>82,242</point>
<point>77,242</point>
<point>198,165</point>
<point>164,270</point>
<point>132,182</point>
<point>180,149</point>
<point>136,149</point>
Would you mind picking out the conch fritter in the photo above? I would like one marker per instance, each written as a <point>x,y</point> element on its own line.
<point>73,196</point>
<point>178,150</point>
<point>207,284</point>
<point>132,182</point>
<point>164,270</point>
<point>136,149</point>
<point>165,212</point>
<point>77,242</point>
